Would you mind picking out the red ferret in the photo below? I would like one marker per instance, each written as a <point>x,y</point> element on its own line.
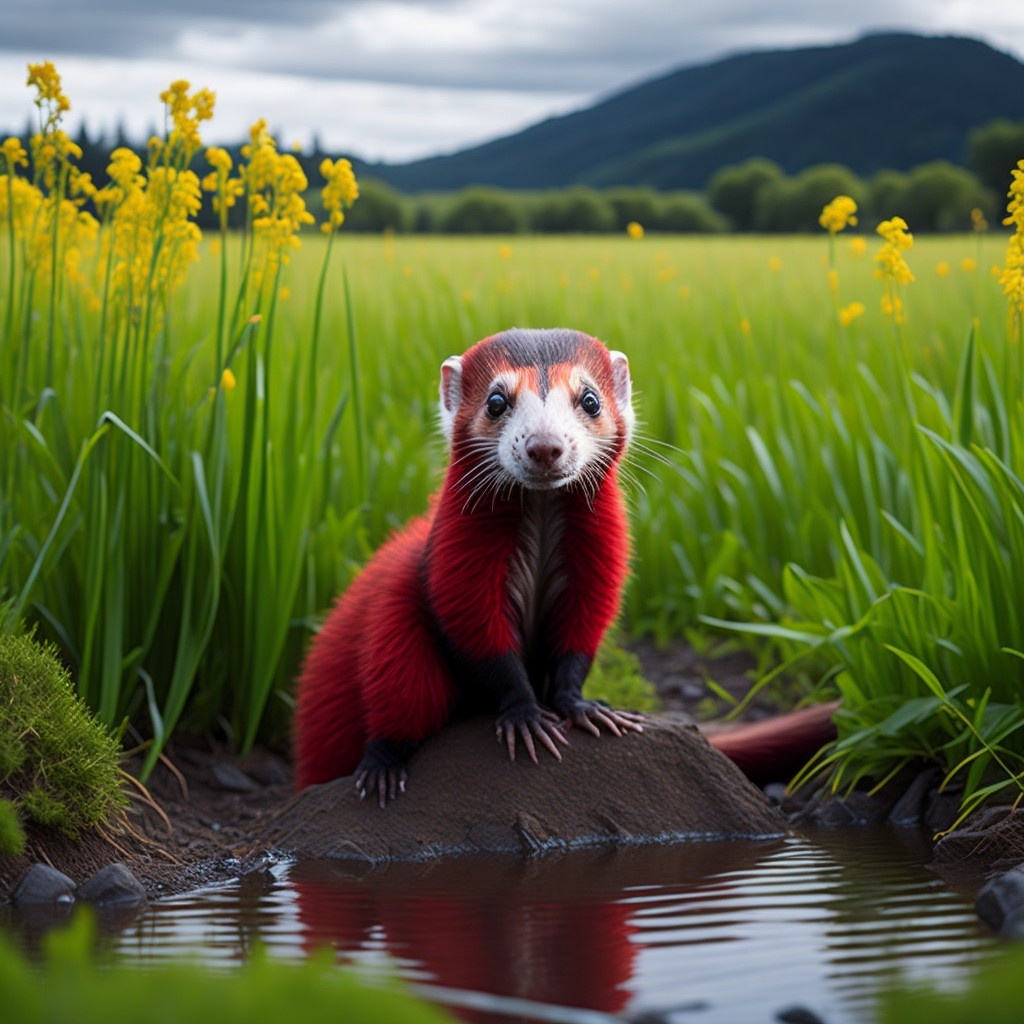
<point>497,598</point>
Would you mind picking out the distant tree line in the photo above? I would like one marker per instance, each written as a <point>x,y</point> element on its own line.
<point>754,196</point>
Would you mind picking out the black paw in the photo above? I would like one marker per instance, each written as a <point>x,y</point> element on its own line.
<point>592,716</point>
<point>530,723</point>
<point>381,773</point>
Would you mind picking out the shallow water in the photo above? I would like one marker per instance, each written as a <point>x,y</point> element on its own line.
<point>708,932</point>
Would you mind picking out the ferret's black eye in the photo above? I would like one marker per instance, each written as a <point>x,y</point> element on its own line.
<point>590,403</point>
<point>497,403</point>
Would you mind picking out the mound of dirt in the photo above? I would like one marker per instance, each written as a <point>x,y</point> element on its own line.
<point>465,796</point>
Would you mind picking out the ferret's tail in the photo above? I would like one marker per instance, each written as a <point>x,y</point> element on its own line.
<point>775,749</point>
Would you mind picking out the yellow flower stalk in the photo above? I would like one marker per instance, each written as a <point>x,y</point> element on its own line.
<point>635,230</point>
<point>850,312</point>
<point>338,194</point>
<point>1011,277</point>
<point>835,217</point>
<point>891,267</point>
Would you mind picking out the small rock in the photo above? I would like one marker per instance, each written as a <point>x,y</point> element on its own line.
<point>798,1015</point>
<point>112,884</point>
<point>1000,903</point>
<point>267,768</point>
<point>42,884</point>
<point>233,779</point>
<point>942,809</point>
<point>859,808</point>
<point>911,807</point>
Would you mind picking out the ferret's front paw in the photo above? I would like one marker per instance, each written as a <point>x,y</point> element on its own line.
<point>531,723</point>
<point>592,716</point>
<point>380,774</point>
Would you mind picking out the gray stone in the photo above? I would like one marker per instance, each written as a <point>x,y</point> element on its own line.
<point>798,1015</point>
<point>943,809</point>
<point>911,807</point>
<point>112,885</point>
<point>858,808</point>
<point>233,779</point>
<point>42,884</point>
<point>1000,903</point>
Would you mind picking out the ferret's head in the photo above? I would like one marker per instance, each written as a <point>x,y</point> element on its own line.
<point>541,409</point>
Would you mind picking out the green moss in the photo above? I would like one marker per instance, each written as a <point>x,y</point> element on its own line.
<point>69,985</point>
<point>12,753</point>
<point>41,806</point>
<point>12,838</point>
<point>616,678</point>
<point>58,766</point>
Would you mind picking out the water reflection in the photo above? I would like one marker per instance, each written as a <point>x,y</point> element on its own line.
<point>739,930</point>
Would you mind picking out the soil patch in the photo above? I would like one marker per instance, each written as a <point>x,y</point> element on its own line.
<point>465,796</point>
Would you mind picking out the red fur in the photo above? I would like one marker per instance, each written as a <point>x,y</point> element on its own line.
<point>375,671</point>
<point>775,749</point>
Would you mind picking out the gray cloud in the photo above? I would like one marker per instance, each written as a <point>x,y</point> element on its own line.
<point>463,69</point>
<point>560,45</point>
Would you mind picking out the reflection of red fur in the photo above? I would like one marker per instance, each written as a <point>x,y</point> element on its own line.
<point>775,749</point>
<point>572,953</point>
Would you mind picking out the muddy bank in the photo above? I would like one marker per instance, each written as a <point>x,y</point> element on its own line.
<point>465,796</point>
<point>208,816</point>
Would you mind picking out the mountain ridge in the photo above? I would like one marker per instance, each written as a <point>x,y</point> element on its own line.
<point>885,100</point>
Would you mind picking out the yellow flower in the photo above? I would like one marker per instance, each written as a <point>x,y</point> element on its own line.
<point>942,269</point>
<point>505,252</point>
<point>635,230</point>
<point>339,193</point>
<point>48,88</point>
<point>891,267</point>
<point>833,281</point>
<point>889,258</point>
<point>850,312</point>
<point>978,222</point>
<point>227,380</point>
<point>858,245</point>
<point>968,265</point>
<point>774,264</point>
<point>744,326</point>
<point>838,214</point>
<point>1011,277</point>
<point>14,154</point>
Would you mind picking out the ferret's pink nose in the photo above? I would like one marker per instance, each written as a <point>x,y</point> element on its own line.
<point>544,449</point>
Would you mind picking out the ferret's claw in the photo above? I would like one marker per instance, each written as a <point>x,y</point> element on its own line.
<point>592,716</point>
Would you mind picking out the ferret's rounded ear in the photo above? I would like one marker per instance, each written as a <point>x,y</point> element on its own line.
<point>451,393</point>
<point>623,385</point>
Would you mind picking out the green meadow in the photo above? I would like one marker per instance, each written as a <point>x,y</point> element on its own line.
<point>203,438</point>
<point>844,496</point>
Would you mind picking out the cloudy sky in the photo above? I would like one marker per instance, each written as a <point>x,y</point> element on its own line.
<point>398,79</point>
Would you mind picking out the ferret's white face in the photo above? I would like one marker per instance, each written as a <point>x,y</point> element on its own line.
<point>542,426</point>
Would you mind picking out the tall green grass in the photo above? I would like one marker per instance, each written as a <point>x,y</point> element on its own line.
<point>846,495</point>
